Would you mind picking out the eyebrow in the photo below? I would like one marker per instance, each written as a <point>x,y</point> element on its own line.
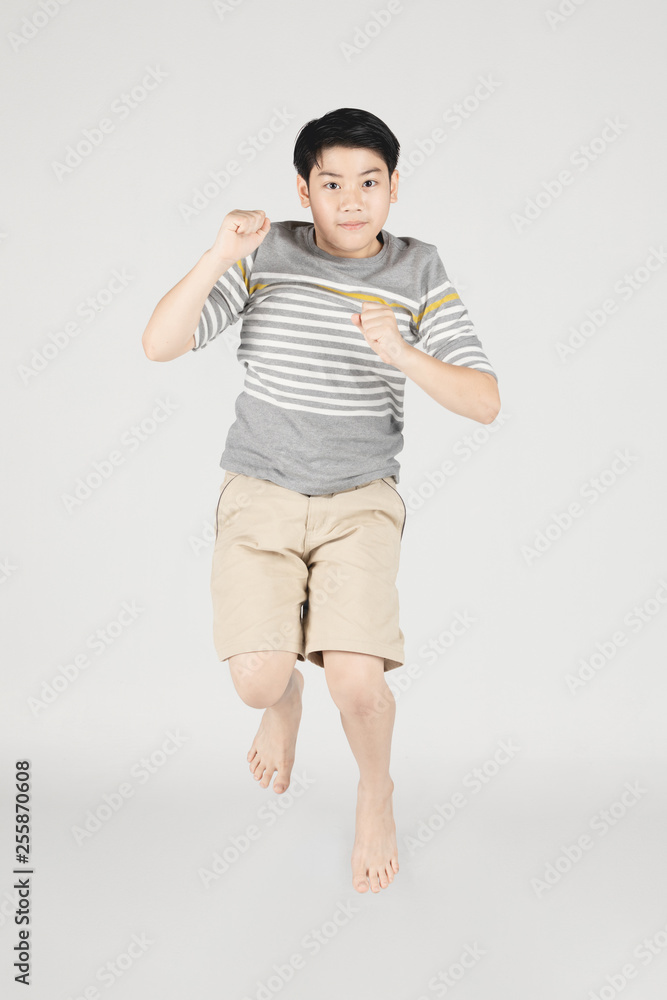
<point>328,173</point>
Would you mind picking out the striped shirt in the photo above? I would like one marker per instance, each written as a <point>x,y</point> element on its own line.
<point>319,411</point>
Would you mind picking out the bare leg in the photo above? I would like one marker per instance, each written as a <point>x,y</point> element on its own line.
<point>269,678</point>
<point>367,711</point>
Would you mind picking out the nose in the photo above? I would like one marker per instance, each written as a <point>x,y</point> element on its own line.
<point>350,200</point>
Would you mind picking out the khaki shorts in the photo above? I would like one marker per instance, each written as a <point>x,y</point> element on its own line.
<point>307,573</point>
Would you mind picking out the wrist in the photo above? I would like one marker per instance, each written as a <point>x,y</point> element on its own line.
<point>217,262</point>
<point>405,357</point>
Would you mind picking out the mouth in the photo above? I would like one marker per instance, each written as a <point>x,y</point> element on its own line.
<point>352,225</point>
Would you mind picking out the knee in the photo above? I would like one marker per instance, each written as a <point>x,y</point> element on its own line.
<point>359,688</point>
<point>260,677</point>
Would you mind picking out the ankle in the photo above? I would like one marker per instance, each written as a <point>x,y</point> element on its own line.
<point>376,788</point>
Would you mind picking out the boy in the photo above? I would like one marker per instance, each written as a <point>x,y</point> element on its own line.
<point>309,521</point>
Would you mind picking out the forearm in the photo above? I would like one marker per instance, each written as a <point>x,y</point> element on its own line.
<point>466,391</point>
<point>170,330</point>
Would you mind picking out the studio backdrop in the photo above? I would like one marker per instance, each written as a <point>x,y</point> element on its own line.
<point>137,857</point>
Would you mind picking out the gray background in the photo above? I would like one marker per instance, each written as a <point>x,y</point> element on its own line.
<point>135,538</point>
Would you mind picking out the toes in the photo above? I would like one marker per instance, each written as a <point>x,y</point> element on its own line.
<point>251,753</point>
<point>282,779</point>
<point>268,774</point>
<point>360,883</point>
<point>263,773</point>
<point>394,864</point>
<point>379,878</point>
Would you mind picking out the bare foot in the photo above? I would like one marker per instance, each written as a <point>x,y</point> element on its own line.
<point>375,853</point>
<point>275,741</point>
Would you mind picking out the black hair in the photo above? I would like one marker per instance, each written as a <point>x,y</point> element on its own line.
<point>350,127</point>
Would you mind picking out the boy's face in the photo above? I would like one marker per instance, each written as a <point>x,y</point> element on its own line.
<point>355,195</point>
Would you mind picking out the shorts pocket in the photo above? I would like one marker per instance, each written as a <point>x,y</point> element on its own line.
<point>229,478</point>
<point>388,481</point>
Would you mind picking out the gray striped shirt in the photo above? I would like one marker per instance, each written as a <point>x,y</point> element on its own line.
<point>319,411</point>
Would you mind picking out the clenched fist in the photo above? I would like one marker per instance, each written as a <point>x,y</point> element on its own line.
<point>378,324</point>
<point>241,232</point>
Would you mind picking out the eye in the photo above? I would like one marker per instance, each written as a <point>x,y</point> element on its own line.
<point>369,181</point>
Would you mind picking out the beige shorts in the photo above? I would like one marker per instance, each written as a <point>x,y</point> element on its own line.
<point>307,573</point>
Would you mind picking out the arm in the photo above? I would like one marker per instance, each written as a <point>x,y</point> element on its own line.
<point>466,391</point>
<point>459,388</point>
<point>169,333</point>
<point>453,367</point>
<point>171,329</point>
